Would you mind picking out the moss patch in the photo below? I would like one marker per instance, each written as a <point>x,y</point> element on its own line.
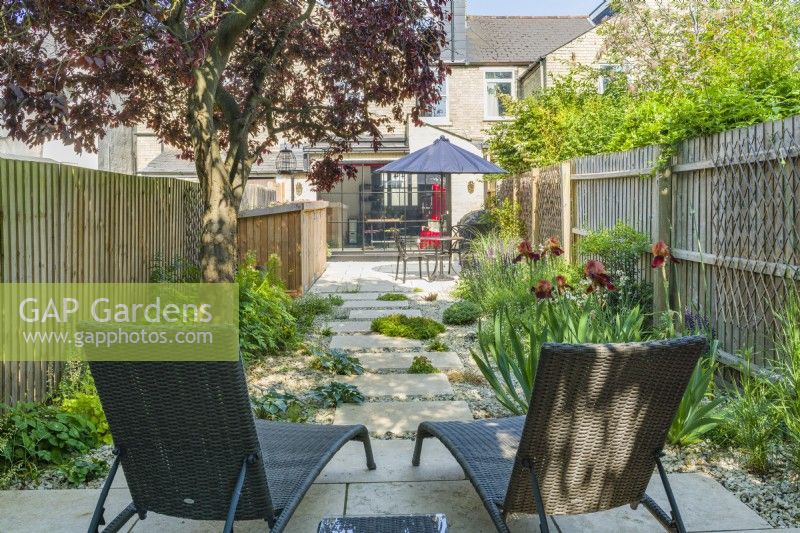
<point>410,327</point>
<point>392,297</point>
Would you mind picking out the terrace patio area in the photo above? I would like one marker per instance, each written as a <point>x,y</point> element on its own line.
<point>347,488</point>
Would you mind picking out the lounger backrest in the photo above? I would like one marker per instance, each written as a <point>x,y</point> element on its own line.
<point>598,416</point>
<point>184,429</point>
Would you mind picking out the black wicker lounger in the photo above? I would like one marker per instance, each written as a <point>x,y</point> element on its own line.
<point>592,437</point>
<point>186,438</point>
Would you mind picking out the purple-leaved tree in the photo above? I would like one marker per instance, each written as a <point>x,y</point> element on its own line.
<point>220,80</point>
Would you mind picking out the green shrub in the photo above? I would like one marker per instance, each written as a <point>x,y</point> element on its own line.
<point>393,297</point>
<point>422,365</point>
<point>281,406</point>
<point>698,414</point>
<point>336,362</point>
<point>437,345</point>
<point>35,436</point>
<point>88,406</point>
<point>335,394</point>
<point>505,219</point>
<point>266,326</point>
<point>310,306</point>
<point>409,327</point>
<point>461,313</point>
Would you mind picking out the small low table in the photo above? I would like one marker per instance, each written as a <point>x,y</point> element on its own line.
<point>425,523</point>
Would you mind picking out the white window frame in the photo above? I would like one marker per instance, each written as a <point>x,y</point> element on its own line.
<point>446,118</point>
<point>486,82</point>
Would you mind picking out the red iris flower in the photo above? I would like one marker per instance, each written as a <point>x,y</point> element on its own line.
<point>526,252</point>
<point>552,245</point>
<point>595,272</point>
<point>660,254</point>
<point>543,290</point>
<point>561,284</point>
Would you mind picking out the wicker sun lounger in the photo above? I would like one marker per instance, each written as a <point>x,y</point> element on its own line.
<point>592,436</point>
<point>189,446</point>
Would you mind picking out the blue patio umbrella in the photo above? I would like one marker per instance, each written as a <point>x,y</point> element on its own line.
<point>442,157</point>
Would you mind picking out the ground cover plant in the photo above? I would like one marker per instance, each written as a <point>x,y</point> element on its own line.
<point>392,297</point>
<point>306,308</point>
<point>335,394</point>
<point>462,313</point>
<point>437,345</point>
<point>410,327</point>
<point>335,362</point>
<point>280,406</point>
<point>422,365</point>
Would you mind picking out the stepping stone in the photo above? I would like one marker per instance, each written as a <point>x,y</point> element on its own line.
<point>393,458</point>
<point>350,326</point>
<point>400,385</point>
<point>373,304</point>
<point>372,342</point>
<point>403,360</point>
<point>356,296</point>
<point>400,417</point>
<point>372,314</point>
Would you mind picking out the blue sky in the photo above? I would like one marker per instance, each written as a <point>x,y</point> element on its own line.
<point>530,7</point>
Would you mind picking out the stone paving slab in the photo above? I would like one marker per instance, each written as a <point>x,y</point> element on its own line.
<point>372,342</point>
<point>705,506</point>
<point>403,360</point>
<point>372,314</point>
<point>399,417</point>
<point>374,304</point>
<point>349,326</point>
<point>400,385</point>
<point>357,296</point>
<point>457,499</point>
<point>393,458</point>
<point>49,511</point>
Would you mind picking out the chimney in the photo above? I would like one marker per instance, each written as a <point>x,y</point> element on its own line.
<point>456,51</point>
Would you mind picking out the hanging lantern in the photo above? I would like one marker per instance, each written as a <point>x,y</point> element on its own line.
<point>286,162</point>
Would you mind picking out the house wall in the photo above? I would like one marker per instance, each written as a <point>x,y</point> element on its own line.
<point>588,50</point>
<point>467,101</point>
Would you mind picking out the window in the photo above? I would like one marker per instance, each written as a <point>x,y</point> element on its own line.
<point>439,113</point>
<point>496,83</point>
<point>607,73</point>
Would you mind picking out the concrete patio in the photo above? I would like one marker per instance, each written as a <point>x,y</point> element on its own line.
<point>346,487</point>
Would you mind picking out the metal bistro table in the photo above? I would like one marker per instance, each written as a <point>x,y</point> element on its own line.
<point>439,253</point>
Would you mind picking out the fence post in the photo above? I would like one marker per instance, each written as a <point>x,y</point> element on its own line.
<point>535,204</point>
<point>663,232</point>
<point>567,208</point>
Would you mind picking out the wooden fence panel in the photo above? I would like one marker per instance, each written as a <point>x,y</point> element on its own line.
<point>60,223</point>
<point>296,233</point>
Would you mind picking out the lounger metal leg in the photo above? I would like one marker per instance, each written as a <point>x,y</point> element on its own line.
<point>537,497</point>
<point>364,438</point>
<point>671,523</point>
<point>97,517</point>
<point>421,435</point>
<point>237,493</point>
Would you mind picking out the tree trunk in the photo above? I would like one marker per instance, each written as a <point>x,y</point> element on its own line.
<point>218,252</point>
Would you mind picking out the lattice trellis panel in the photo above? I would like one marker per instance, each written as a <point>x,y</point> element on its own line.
<point>525,198</point>
<point>549,200</point>
<point>755,237</point>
